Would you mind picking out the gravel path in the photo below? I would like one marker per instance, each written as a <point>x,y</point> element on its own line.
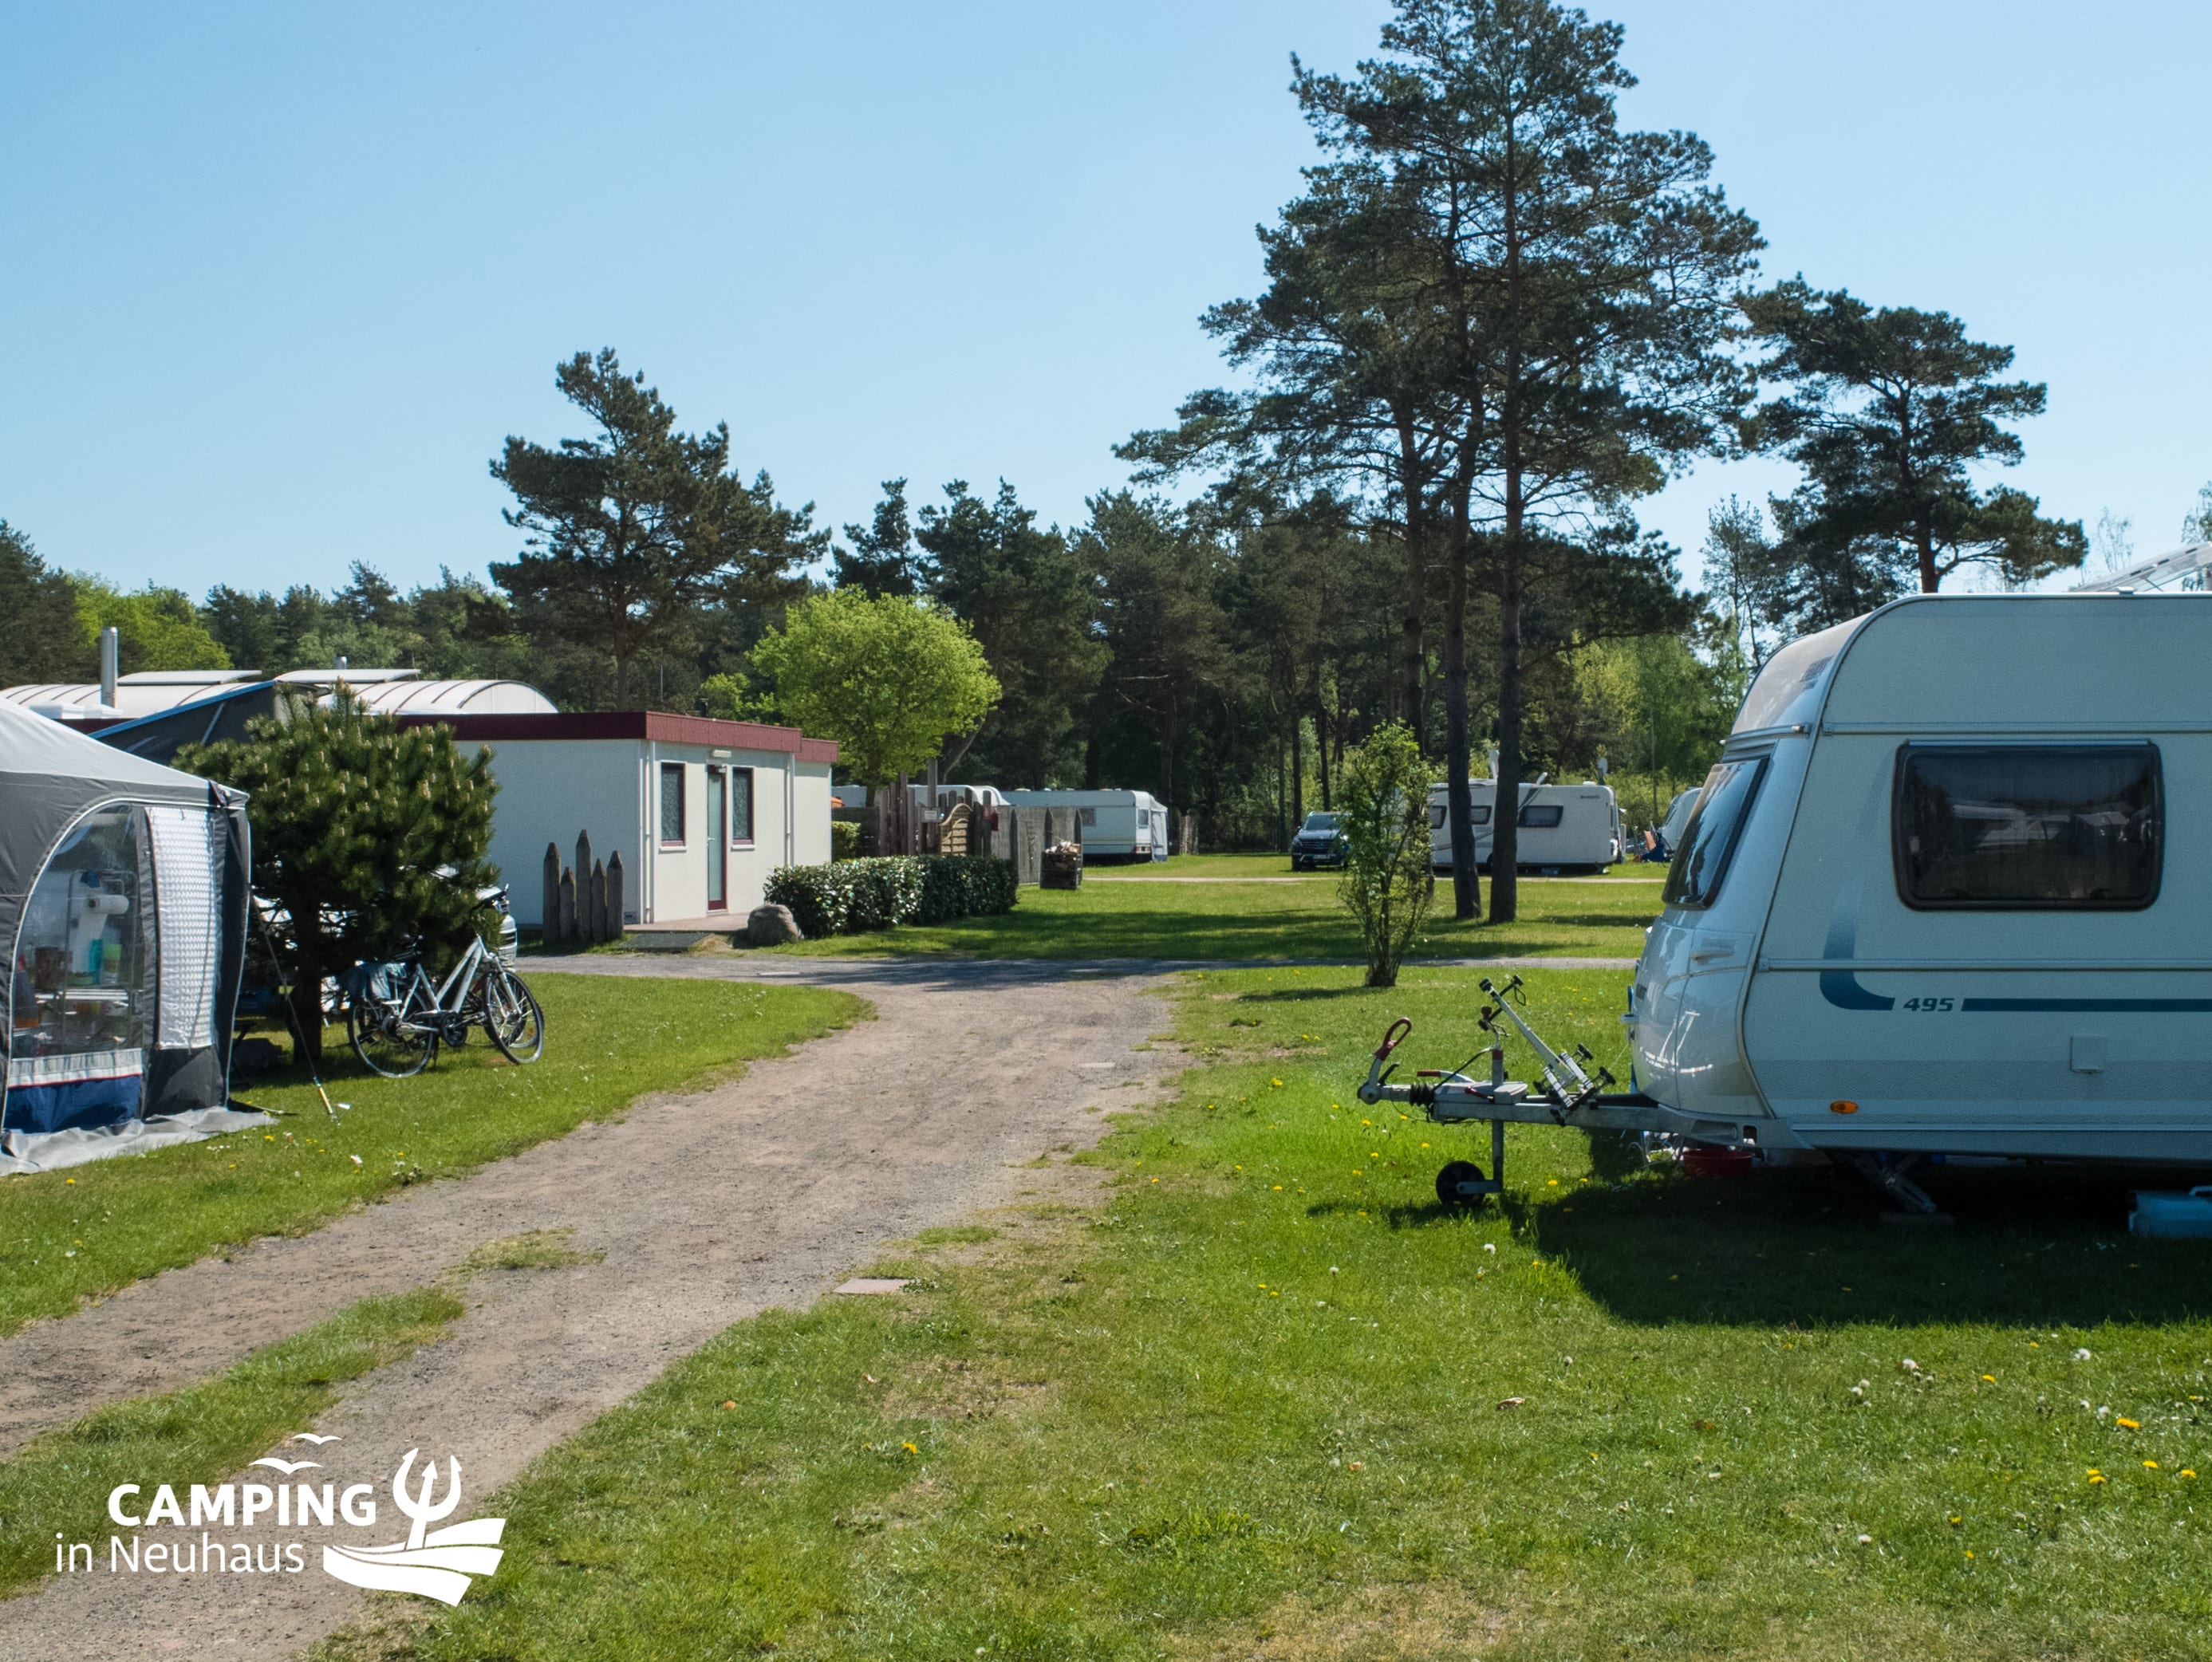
<point>708,1208</point>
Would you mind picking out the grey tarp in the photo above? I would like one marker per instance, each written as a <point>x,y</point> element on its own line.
<point>51,779</point>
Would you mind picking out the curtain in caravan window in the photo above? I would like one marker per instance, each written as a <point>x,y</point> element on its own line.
<point>2076,827</point>
<point>188,850</point>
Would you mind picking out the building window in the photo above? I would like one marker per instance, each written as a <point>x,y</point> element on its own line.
<point>741,805</point>
<point>1544,818</point>
<point>671,802</point>
<point>1086,816</point>
<point>2029,827</point>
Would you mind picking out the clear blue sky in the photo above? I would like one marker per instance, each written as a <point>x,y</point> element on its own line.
<point>276,280</point>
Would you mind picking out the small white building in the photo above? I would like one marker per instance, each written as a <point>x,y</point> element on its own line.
<point>700,810</point>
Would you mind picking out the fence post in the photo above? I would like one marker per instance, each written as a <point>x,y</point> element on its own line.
<point>598,927</point>
<point>567,908</point>
<point>617,914</point>
<point>549,911</point>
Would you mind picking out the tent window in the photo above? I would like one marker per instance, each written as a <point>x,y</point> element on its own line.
<point>1693,878</point>
<point>2029,827</point>
<point>189,850</point>
<point>1544,818</point>
<point>83,994</point>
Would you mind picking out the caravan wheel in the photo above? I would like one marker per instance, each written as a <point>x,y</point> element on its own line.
<point>1455,1184</point>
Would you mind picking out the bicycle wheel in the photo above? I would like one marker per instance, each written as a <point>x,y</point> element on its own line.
<point>511,1017</point>
<point>384,1045</point>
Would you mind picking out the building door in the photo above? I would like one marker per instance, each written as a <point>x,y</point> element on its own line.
<point>718,841</point>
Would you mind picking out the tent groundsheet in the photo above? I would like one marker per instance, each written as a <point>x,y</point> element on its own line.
<point>24,1152</point>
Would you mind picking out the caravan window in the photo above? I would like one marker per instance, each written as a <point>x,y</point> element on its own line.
<point>1543,818</point>
<point>1477,814</point>
<point>1716,826</point>
<point>2076,827</point>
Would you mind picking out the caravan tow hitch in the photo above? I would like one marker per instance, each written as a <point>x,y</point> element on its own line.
<point>1572,1091</point>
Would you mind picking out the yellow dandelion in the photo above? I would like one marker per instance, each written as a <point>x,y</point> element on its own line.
<point>2150,1465</point>
<point>910,1448</point>
<point>1989,1379</point>
<point>70,1181</point>
<point>2132,1425</point>
<point>2187,1472</point>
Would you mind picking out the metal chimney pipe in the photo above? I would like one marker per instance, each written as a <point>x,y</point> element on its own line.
<point>111,663</point>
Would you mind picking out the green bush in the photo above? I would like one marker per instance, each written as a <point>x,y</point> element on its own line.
<point>844,839</point>
<point>972,888</point>
<point>846,897</point>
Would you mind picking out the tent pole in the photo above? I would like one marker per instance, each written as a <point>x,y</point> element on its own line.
<point>291,1015</point>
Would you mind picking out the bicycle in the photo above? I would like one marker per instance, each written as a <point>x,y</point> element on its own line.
<point>396,1019</point>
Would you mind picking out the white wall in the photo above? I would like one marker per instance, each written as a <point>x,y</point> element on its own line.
<point>549,791</point>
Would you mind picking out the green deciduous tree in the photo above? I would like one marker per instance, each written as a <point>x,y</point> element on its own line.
<point>632,534</point>
<point>890,678</point>
<point>369,836</point>
<point>158,628</point>
<point>1887,411</point>
<point>1383,808</point>
<point>44,638</point>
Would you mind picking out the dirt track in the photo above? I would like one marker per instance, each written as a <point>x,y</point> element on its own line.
<point>708,1209</point>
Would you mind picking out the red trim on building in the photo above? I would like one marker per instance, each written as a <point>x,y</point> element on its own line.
<point>655,724</point>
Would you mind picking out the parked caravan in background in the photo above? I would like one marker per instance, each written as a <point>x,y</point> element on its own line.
<point>1922,905</point>
<point>1127,825</point>
<point>1563,828</point>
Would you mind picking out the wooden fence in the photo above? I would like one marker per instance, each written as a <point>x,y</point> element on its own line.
<point>583,903</point>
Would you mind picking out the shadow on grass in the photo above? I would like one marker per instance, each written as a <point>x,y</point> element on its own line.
<point>2040,1247</point>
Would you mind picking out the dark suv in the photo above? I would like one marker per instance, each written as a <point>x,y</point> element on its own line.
<point>1318,843</point>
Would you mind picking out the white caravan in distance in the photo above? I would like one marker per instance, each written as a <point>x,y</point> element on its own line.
<point>1562,826</point>
<point>1114,824</point>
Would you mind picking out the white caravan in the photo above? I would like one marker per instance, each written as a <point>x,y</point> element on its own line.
<point>1115,824</point>
<point>1922,905</point>
<point>1562,826</point>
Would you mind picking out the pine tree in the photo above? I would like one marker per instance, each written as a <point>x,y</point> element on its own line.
<point>369,837</point>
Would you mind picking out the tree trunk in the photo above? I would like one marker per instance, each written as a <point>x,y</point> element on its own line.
<point>1930,579</point>
<point>1297,768</point>
<point>1466,892</point>
<point>1506,816</point>
<point>1417,574</point>
<point>1167,760</point>
<point>1321,733</point>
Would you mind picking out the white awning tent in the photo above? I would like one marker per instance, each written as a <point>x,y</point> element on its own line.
<point>123,900</point>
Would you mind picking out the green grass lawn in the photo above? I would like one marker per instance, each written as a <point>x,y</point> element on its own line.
<point>87,1231</point>
<point>1219,866</point>
<point>1267,1399</point>
<point>1130,912</point>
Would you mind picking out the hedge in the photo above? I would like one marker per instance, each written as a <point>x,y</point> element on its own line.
<point>849,896</point>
